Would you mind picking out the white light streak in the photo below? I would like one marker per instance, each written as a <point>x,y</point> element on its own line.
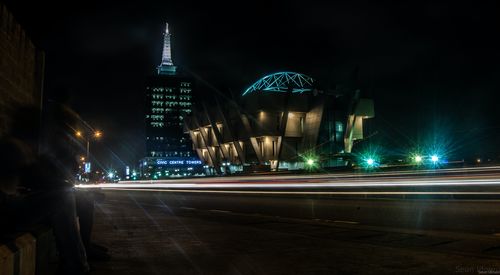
<point>442,177</point>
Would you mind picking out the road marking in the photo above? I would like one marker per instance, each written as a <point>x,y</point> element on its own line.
<point>349,222</point>
<point>219,211</point>
<point>187,208</point>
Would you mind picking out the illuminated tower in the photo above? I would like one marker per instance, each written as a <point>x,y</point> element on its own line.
<point>167,66</point>
<point>169,95</point>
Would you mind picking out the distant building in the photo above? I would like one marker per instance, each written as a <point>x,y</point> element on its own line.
<point>169,97</point>
<point>21,68</point>
<point>284,121</point>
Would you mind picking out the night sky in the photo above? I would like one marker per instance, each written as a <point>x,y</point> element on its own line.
<point>432,68</point>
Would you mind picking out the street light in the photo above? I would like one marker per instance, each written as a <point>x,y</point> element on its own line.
<point>434,158</point>
<point>96,135</point>
<point>370,162</point>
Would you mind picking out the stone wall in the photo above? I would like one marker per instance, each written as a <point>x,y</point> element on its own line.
<point>21,68</point>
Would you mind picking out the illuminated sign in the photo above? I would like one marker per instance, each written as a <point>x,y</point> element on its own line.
<point>177,162</point>
<point>87,167</point>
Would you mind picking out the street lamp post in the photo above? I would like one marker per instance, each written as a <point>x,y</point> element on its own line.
<point>96,135</point>
<point>88,148</point>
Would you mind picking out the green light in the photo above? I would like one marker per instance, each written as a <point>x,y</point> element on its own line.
<point>370,157</point>
<point>311,161</point>
<point>371,162</point>
<point>434,158</point>
<point>418,158</point>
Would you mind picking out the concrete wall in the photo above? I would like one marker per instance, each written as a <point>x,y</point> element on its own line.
<point>311,127</point>
<point>294,126</point>
<point>21,68</point>
<point>28,253</point>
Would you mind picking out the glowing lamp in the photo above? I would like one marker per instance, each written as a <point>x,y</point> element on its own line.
<point>434,158</point>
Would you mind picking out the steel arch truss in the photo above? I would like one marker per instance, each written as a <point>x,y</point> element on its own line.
<point>280,82</point>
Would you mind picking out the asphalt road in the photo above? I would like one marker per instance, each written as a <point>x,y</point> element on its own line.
<point>462,200</point>
<point>154,232</point>
<point>471,216</point>
<point>309,217</point>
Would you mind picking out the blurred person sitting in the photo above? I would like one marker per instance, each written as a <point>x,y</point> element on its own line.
<point>62,147</point>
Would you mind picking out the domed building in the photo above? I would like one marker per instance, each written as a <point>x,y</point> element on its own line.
<point>283,121</point>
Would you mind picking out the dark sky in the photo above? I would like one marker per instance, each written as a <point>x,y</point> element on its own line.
<point>431,67</point>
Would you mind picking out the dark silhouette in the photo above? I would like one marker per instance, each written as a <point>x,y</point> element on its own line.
<point>56,206</point>
<point>37,183</point>
<point>62,147</point>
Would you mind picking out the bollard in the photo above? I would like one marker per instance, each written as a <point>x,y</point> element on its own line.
<point>7,259</point>
<point>26,244</point>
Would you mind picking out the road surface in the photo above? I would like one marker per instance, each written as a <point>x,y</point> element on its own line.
<point>276,225</point>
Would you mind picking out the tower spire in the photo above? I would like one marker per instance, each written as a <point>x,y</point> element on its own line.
<point>167,66</point>
<point>167,54</point>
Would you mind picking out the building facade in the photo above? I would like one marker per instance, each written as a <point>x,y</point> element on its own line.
<point>21,68</point>
<point>284,121</point>
<point>169,97</point>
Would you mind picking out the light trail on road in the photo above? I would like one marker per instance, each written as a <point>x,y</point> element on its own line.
<point>400,183</point>
<point>340,175</point>
<point>253,192</point>
<point>462,177</point>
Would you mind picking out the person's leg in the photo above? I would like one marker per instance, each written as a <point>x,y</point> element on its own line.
<point>85,206</point>
<point>67,235</point>
<point>85,211</point>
